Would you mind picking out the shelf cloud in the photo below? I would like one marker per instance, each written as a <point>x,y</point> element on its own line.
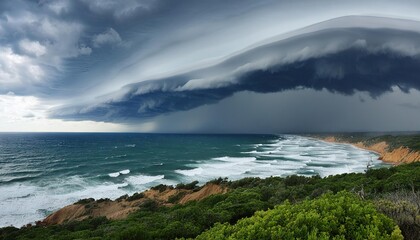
<point>342,60</point>
<point>149,63</point>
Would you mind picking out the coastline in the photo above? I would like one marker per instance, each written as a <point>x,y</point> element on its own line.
<point>120,208</point>
<point>396,156</point>
<point>160,216</point>
<point>117,170</point>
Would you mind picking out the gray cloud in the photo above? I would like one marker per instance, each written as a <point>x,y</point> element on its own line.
<point>292,111</point>
<point>120,9</point>
<point>109,37</point>
<point>34,46</point>
<point>139,60</point>
<point>411,105</point>
<point>341,60</point>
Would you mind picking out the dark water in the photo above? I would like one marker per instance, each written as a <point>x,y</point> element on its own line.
<point>41,172</point>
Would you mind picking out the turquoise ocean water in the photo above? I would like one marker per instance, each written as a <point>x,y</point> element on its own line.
<point>42,172</point>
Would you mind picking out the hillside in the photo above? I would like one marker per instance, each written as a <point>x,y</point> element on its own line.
<point>161,195</point>
<point>393,192</point>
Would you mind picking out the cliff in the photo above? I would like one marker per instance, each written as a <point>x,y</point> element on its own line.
<point>120,208</point>
<point>395,155</point>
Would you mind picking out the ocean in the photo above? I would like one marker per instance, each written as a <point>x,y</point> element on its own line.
<point>42,172</point>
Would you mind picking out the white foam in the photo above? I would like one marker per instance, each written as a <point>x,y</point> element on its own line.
<point>35,202</point>
<point>130,145</point>
<point>143,179</point>
<point>232,167</point>
<point>190,172</point>
<point>285,156</point>
<point>115,174</point>
<point>235,159</point>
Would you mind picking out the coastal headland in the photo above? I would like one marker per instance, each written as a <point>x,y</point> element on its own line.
<point>394,149</point>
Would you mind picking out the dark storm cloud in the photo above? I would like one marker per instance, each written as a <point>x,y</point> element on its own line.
<point>71,44</point>
<point>339,60</point>
<point>133,60</point>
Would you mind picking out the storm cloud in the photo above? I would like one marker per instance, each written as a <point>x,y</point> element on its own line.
<point>342,60</point>
<point>152,61</point>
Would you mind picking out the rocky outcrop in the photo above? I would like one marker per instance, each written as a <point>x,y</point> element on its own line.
<point>395,156</point>
<point>122,207</point>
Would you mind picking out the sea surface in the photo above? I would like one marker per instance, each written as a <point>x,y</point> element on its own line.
<point>42,172</point>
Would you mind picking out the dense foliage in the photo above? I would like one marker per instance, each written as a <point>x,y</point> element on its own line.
<point>340,216</point>
<point>245,197</point>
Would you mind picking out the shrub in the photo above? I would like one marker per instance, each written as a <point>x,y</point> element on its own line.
<point>176,197</point>
<point>135,196</point>
<point>133,232</point>
<point>160,187</point>
<point>340,216</point>
<point>219,181</point>
<point>404,209</point>
<point>149,204</point>
<point>381,173</point>
<point>189,186</point>
<point>294,180</point>
<point>103,200</point>
<point>85,201</point>
<point>125,196</point>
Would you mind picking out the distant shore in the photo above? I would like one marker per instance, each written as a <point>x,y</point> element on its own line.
<point>390,151</point>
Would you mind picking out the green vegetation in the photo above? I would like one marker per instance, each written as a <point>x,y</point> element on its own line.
<point>189,186</point>
<point>340,216</point>
<point>85,201</point>
<point>161,187</point>
<point>404,208</point>
<point>393,191</point>
<point>175,198</point>
<point>135,196</point>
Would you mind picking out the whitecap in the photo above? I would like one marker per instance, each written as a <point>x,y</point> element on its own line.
<point>190,172</point>
<point>285,156</point>
<point>35,202</point>
<point>235,159</point>
<point>115,174</point>
<point>143,179</point>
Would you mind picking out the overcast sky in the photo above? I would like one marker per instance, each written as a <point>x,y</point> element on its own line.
<point>237,66</point>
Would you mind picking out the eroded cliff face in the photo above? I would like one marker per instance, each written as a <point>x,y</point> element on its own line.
<point>401,155</point>
<point>395,156</point>
<point>119,209</point>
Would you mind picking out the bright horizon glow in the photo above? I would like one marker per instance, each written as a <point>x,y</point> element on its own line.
<point>28,114</point>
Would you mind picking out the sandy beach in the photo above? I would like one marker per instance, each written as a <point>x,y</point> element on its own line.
<point>394,156</point>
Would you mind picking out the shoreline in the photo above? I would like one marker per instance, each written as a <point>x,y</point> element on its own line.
<point>116,210</point>
<point>395,156</point>
<point>235,161</point>
<point>152,214</point>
